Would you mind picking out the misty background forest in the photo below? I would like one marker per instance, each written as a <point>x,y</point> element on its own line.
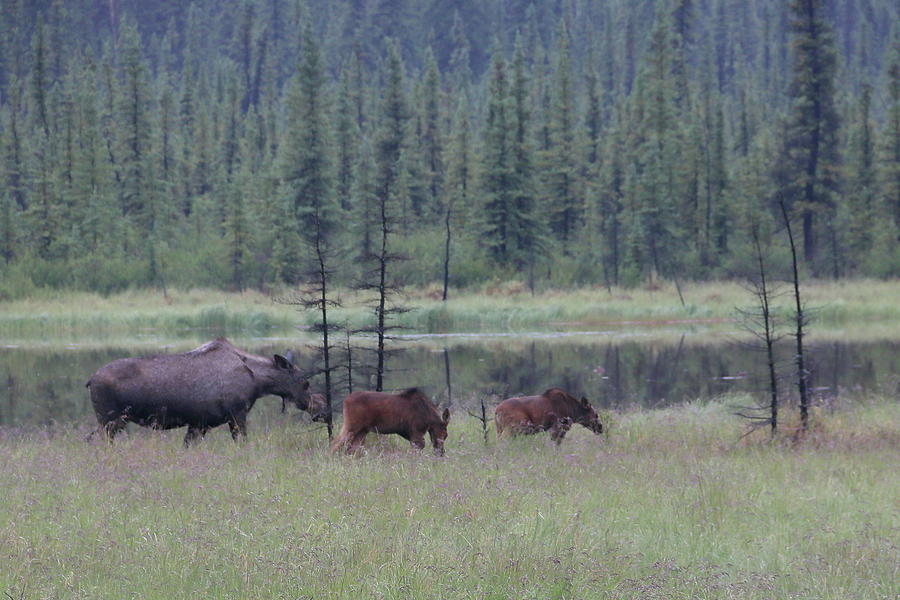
<point>231,144</point>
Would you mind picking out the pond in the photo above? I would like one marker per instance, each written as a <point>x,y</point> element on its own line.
<point>44,384</point>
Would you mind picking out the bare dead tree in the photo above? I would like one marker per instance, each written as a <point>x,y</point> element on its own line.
<point>390,197</point>
<point>316,295</point>
<point>349,362</point>
<point>385,310</point>
<point>800,321</point>
<point>379,279</point>
<point>447,377</point>
<point>482,417</point>
<point>761,323</point>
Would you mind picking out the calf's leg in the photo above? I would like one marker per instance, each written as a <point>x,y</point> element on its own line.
<point>559,429</point>
<point>238,426</point>
<point>111,428</point>
<point>193,433</point>
<point>357,440</point>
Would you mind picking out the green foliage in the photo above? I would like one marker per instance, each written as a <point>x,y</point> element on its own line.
<point>579,146</point>
<point>810,173</point>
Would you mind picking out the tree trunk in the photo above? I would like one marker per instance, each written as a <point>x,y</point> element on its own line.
<point>802,375</point>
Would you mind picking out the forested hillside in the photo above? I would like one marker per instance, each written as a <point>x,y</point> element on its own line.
<point>261,143</point>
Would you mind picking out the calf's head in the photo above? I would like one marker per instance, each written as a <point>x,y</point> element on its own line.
<point>318,408</point>
<point>588,417</point>
<point>289,383</point>
<point>438,433</point>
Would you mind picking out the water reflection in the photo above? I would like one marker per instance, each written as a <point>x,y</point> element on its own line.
<point>43,386</point>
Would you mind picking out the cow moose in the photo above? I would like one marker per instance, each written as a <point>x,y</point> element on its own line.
<point>409,414</point>
<point>554,411</point>
<point>211,385</point>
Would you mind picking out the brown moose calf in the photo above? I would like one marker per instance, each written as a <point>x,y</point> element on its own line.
<point>554,411</point>
<point>409,414</point>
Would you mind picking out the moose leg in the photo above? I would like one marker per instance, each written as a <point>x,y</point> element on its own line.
<point>111,428</point>
<point>193,433</point>
<point>238,426</point>
<point>559,429</point>
<point>111,423</point>
<point>356,441</point>
<point>522,428</point>
<point>417,441</point>
<point>340,442</point>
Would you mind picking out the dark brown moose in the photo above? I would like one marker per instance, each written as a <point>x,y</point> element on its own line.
<point>409,414</point>
<point>553,411</point>
<point>204,388</point>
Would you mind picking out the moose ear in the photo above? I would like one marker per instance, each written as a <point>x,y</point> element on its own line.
<point>289,356</point>
<point>281,362</point>
<point>585,402</point>
<point>446,416</point>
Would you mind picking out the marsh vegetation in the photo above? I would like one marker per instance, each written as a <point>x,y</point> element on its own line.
<point>672,504</point>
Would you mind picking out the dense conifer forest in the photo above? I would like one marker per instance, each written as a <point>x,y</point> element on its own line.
<point>267,143</point>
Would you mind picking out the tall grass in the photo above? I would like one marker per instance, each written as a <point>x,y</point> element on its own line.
<point>79,316</point>
<point>671,504</point>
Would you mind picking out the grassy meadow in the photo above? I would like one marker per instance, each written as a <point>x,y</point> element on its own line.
<point>76,317</point>
<point>670,504</point>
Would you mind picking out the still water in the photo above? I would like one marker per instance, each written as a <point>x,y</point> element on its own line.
<point>46,384</point>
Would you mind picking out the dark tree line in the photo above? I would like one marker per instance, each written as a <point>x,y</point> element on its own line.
<point>562,143</point>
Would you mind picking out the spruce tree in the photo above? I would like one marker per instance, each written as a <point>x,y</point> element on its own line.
<point>390,193</point>
<point>526,229</point>
<point>13,153</point>
<point>306,154</point>
<point>890,152</point>
<point>432,134</point>
<point>811,162</point>
<point>460,67</point>
<point>7,229</point>
<point>135,128</point>
<point>498,166</point>
<point>857,213</point>
<point>308,180</point>
<point>562,187</point>
<point>347,140</point>
<point>362,209</point>
<point>609,202</point>
<point>457,193</point>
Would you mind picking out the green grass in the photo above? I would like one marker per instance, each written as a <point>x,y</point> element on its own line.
<point>672,504</point>
<point>89,317</point>
<point>868,306</point>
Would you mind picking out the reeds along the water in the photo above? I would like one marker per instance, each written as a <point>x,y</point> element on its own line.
<point>833,304</point>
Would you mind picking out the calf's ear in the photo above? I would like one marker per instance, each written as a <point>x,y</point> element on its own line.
<point>446,416</point>
<point>281,362</point>
<point>585,402</point>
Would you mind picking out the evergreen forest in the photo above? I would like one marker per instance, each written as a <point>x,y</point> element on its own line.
<point>265,144</point>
